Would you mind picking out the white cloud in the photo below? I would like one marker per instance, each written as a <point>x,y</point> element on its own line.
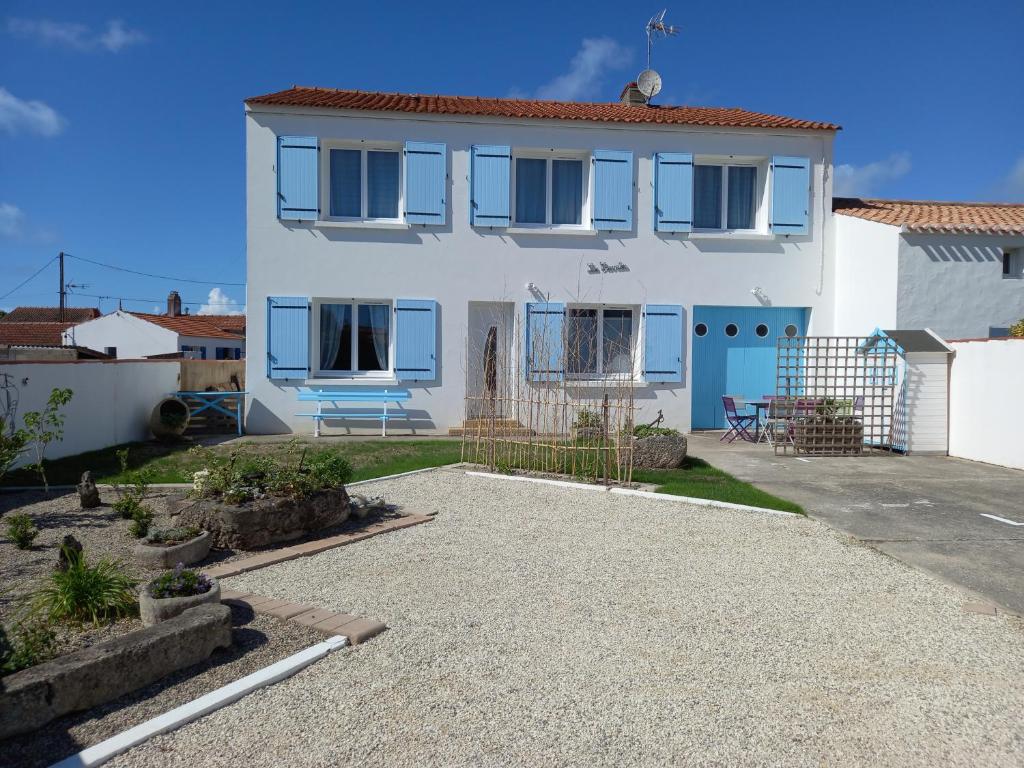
<point>68,34</point>
<point>863,180</point>
<point>1012,186</point>
<point>17,115</point>
<point>596,56</point>
<point>219,303</point>
<point>11,219</point>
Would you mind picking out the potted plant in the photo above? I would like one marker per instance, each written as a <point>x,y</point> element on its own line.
<point>164,547</point>
<point>657,447</point>
<point>169,419</point>
<point>174,592</point>
<point>829,431</point>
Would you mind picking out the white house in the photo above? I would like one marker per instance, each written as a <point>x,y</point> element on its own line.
<point>133,335</point>
<point>957,268</point>
<point>391,236</point>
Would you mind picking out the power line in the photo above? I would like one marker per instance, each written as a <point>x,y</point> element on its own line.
<point>134,298</point>
<point>30,279</point>
<point>150,274</point>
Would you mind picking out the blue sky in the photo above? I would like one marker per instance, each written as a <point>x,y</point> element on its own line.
<point>121,124</point>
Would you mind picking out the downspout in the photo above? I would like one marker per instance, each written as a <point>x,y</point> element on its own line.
<point>824,221</point>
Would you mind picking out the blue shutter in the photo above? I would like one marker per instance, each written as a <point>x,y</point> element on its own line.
<point>426,173</point>
<point>613,190</point>
<point>298,178</point>
<point>415,339</point>
<point>543,348</point>
<point>489,181</point>
<point>663,342</point>
<point>791,190</point>
<point>673,192</point>
<point>287,337</point>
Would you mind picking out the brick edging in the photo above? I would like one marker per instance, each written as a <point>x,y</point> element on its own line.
<point>356,629</point>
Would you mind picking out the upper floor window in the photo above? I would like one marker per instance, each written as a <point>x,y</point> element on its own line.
<point>1013,263</point>
<point>549,191</point>
<point>354,337</point>
<point>228,353</point>
<point>364,183</point>
<point>725,197</point>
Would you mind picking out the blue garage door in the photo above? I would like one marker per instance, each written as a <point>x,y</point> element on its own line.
<point>734,354</point>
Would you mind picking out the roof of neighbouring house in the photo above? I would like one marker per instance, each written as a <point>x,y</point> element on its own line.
<point>49,315</point>
<point>938,217</point>
<point>613,112</point>
<point>212,326</point>
<point>22,334</point>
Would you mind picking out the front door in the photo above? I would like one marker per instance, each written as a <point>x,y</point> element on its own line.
<point>734,354</point>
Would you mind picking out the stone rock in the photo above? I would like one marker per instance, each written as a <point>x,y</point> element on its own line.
<point>88,493</point>
<point>659,451</point>
<point>261,522</point>
<point>154,611</point>
<point>68,543</point>
<point>362,506</point>
<point>102,672</point>
<point>154,556</point>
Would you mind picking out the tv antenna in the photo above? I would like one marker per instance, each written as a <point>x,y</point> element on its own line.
<point>648,82</point>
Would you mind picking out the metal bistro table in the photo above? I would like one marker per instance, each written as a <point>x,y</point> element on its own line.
<point>758,405</point>
<point>214,401</point>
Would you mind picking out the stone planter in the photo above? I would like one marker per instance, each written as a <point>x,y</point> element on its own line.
<point>153,610</point>
<point>155,556</point>
<point>261,522</point>
<point>828,436</point>
<point>169,419</point>
<point>658,451</point>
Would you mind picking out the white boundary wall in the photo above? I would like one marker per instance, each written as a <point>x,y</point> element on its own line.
<point>984,404</point>
<point>112,399</point>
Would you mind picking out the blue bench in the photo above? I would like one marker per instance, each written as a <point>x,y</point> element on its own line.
<point>334,397</point>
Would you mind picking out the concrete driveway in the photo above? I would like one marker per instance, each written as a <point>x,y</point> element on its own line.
<point>928,511</point>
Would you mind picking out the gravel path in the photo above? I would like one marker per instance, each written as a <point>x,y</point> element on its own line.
<point>258,642</point>
<point>537,625</point>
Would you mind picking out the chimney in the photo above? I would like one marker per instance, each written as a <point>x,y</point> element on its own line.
<point>173,304</point>
<point>632,97</point>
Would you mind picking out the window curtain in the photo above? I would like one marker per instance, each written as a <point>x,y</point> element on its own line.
<point>742,183</point>
<point>531,191</point>
<point>333,323</point>
<point>707,196</point>
<point>346,193</point>
<point>382,185</point>
<point>373,323</point>
<point>566,191</point>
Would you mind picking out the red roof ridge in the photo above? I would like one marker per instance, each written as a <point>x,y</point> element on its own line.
<point>887,201</point>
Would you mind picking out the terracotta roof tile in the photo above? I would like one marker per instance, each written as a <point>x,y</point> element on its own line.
<point>933,216</point>
<point>196,325</point>
<point>614,112</point>
<point>49,314</point>
<point>28,334</point>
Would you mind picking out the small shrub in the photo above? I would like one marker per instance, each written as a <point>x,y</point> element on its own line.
<point>328,469</point>
<point>587,419</point>
<point>21,531</point>
<point>142,518</point>
<point>13,443</point>
<point>1017,329</point>
<point>181,582</point>
<point>171,536</point>
<point>643,430</point>
<point>86,592</point>
<point>127,505</point>
<point>33,643</point>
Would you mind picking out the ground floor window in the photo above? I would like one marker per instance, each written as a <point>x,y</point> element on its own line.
<point>194,351</point>
<point>228,353</point>
<point>598,341</point>
<point>354,337</point>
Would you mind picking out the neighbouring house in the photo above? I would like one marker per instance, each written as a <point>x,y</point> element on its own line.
<point>133,335</point>
<point>957,268</point>
<point>400,240</point>
<point>36,333</point>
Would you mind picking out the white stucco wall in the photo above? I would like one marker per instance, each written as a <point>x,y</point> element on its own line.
<point>953,284</point>
<point>867,262</point>
<point>111,400</point>
<point>456,263</point>
<point>136,338</point>
<point>984,419</point>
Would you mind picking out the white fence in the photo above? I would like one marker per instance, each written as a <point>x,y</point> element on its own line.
<point>111,403</point>
<point>985,384</point>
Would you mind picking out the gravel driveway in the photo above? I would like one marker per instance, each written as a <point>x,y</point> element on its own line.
<point>538,625</point>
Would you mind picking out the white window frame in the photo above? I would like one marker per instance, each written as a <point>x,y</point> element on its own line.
<point>364,201</point>
<point>634,344</point>
<point>760,192</point>
<point>552,154</point>
<point>1013,258</point>
<point>328,373</point>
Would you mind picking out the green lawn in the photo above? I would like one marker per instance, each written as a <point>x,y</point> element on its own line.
<point>172,463</point>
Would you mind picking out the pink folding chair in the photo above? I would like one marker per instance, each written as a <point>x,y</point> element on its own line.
<point>739,423</point>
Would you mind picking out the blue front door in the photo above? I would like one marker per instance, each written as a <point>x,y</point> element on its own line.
<point>734,354</point>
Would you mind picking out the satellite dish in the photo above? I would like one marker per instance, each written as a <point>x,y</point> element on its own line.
<point>648,83</point>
